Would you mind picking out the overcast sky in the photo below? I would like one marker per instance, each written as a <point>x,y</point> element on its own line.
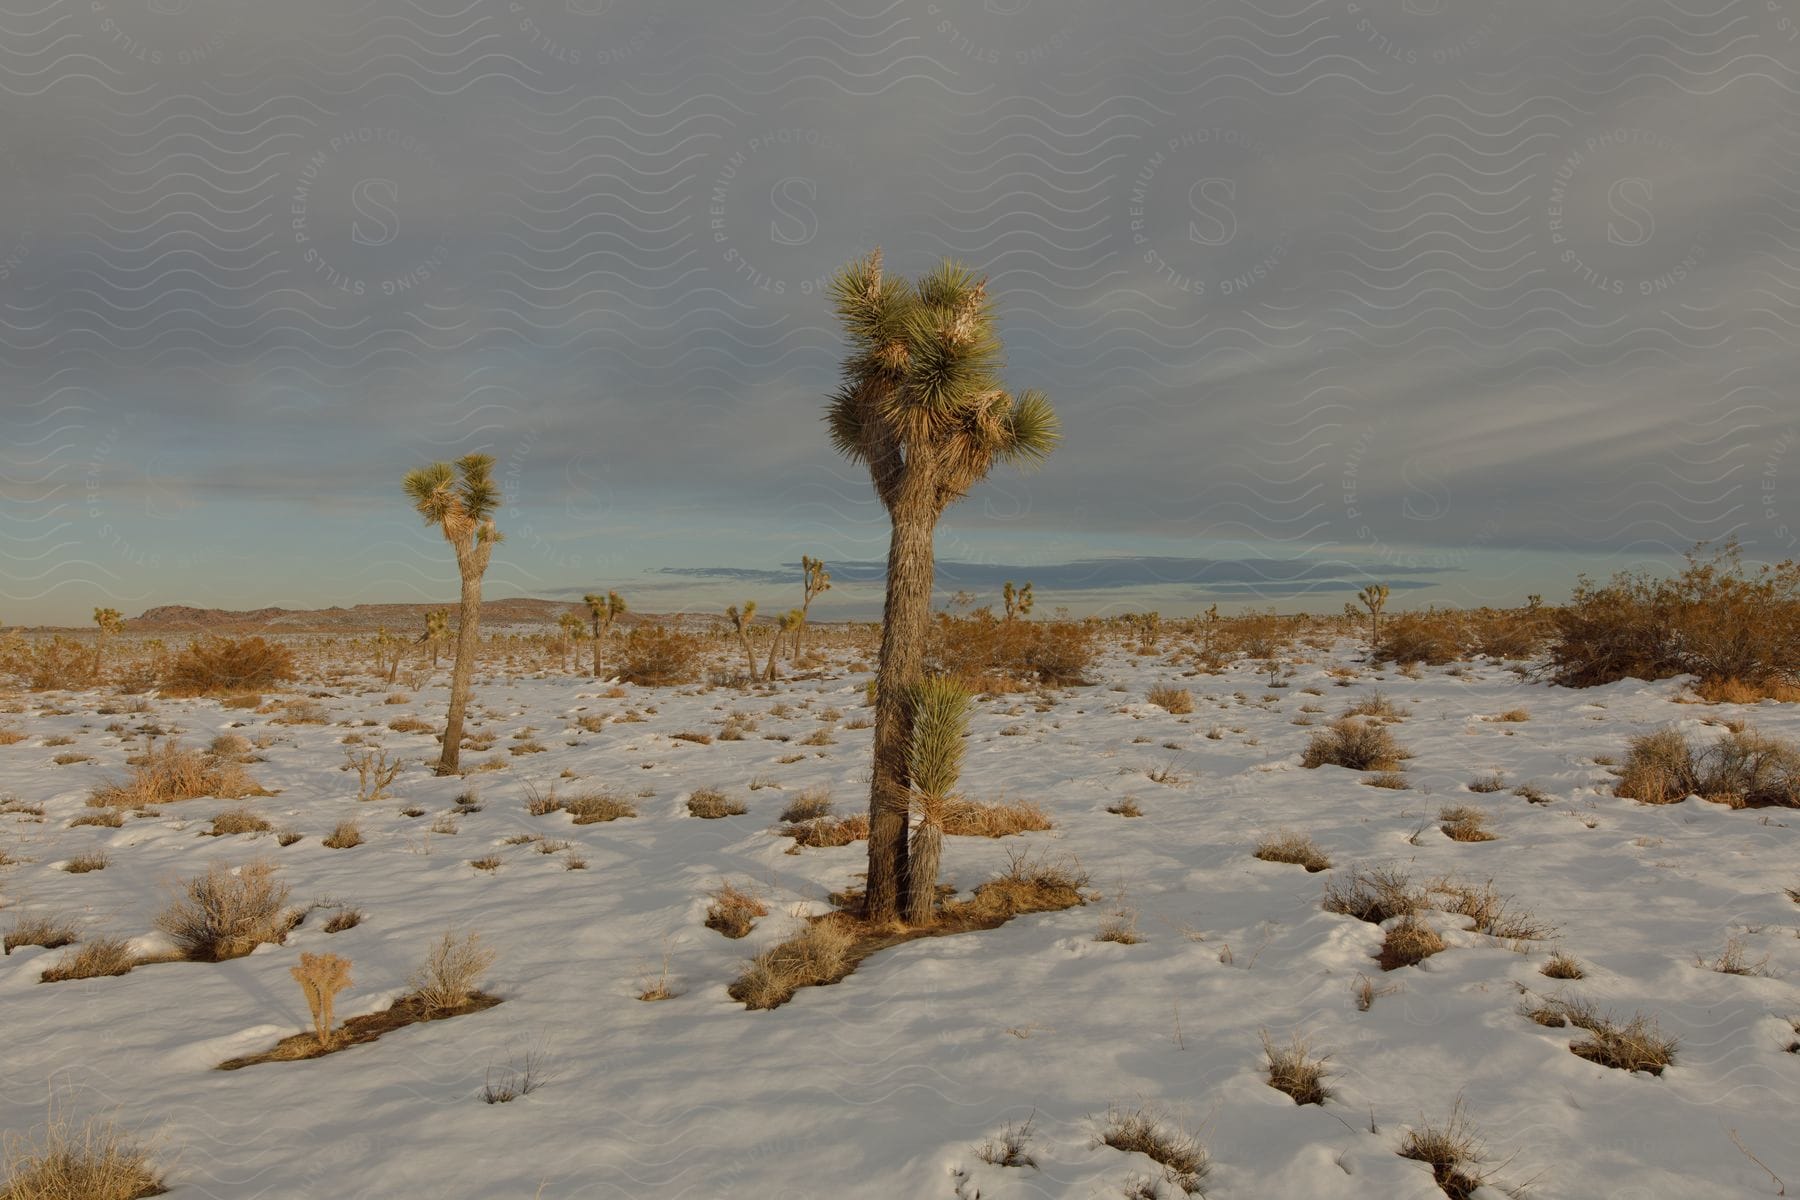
<point>1463,296</point>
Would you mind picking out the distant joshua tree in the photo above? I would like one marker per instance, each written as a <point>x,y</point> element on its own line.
<point>740,623</point>
<point>572,628</point>
<point>461,500</point>
<point>1018,603</point>
<point>437,632</point>
<point>788,623</point>
<point>816,579</point>
<point>110,622</point>
<point>602,611</point>
<point>922,407</point>
<point>1374,598</point>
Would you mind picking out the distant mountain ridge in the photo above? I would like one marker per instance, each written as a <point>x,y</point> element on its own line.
<point>184,618</point>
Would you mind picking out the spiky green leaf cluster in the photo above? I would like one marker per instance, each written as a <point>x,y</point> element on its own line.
<point>460,497</point>
<point>940,718</point>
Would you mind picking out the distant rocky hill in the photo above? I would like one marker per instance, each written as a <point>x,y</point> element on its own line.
<point>358,618</point>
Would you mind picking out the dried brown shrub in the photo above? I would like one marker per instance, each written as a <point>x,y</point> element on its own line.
<point>654,656</point>
<point>222,665</point>
<point>227,913</point>
<point>171,772</point>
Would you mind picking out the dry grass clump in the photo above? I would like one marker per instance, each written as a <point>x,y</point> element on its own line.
<point>342,919</point>
<point>1172,699</point>
<point>733,911</point>
<point>1561,965</point>
<point>1486,784</point>
<point>1028,885</point>
<point>107,818</point>
<point>238,820</point>
<point>694,736</point>
<point>657,657</point>
<point>1733,961</point>
<point>1293,1070</point>
<point>710,804</point>
<point>1743,769</point>
<point>11,735</point>
<point>809,805</point>
<point>1407,943</point>
<point>1291,847</point>
<point>1376,896</point>
<point>822,832</point>
<point>1143,1130</point>
<point>321,977</point>
<point>1355,743</point>
<point>968,818</point>
<point>1637,1045</point>
<point>1453,1151</point>
<point>230,746</point>
<point>221,665</point>
<point>1128,807</point>
<point>1392,780</point>
<point>1120,927</point>
<point>1488,911</point>
<point>348,833</point>
<point>592,808</point>
<point>227,913</point>
<point>1377,707</point>
<point>171,772</point>
<point>410,724</point>
<point>93,1162</point>
<point>818,954</point>
<point>81,864</point>
<point>301,712</point>
<point>95,958</point>
<point>50,932</point>
<point>450,976</point>
<point>1009,1149</point>
<point>1465,823</point>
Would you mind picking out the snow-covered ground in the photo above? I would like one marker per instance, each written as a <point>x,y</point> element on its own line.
<point>885,1084</point>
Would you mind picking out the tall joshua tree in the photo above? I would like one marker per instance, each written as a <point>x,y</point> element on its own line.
<point>602,611</point>
<point>940,718</point>
<point>815,580</point>
<point>460,500</point>
<point>921,405</point>
<point>109,622</point>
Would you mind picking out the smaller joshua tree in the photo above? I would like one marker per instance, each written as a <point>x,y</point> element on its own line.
<point>940,719</point>
<point>787,623</point>
<point>110,622</point>
<point>602,612</point>
<point>437,632</point>
<point>1018,602</point>
<point>1374,598</point>
<point>740,623</point>
<point>572,626</point>
<point>321,977</point>
<point>816,580</point>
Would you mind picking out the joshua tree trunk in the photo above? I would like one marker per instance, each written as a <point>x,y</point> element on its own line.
<point>774,648</point>
<point>468,641</point>
<point>905,623</point>
<point>597,649</point>
<point>922,870</point>
<point>749,655</point>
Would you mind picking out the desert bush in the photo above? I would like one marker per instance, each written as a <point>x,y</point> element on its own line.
<point>229,746</point>
<point>93,1162</point>
<point>1377,706</point>
<point>1453,1151</point>
<point>1488,911</point>
<point>1296,848</point>
<point>1030,885</point>
<point>1120,927</point>
<point>970,818</point>
<point>95,958</point>
<point>1407,943</point>
<point>1356,743</point>
<point>451,974</point>
<point>1143,1130</point>
<point>657,657</point>
<point>988,654</point>
<point>1433,637</point>
<point>590,808</point>
<point>1172,699</point>
<point>1636,1045</point>
<point>50,932</point>
<point>1465,823</point>
<point>374,772</point>
<point>1743,769</point>
<point>733,911</point>
<point>828,831</point>
<point>1715,619</point>
<point>1375,896</point>
<point>1009,1149</point>
<point>346,834</point>
<point>1293,1069</point>
<point>227,913</point>
<point>809,805</point>
<point>222,665</point>
<point>238,820</point>
<point>818,954</point>
<point>710,804</point>
<point>342,919</point>
<point>171,772</point>
<point>81,864</point>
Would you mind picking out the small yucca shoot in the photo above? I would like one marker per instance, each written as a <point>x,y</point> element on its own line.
<point>940,719</point>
